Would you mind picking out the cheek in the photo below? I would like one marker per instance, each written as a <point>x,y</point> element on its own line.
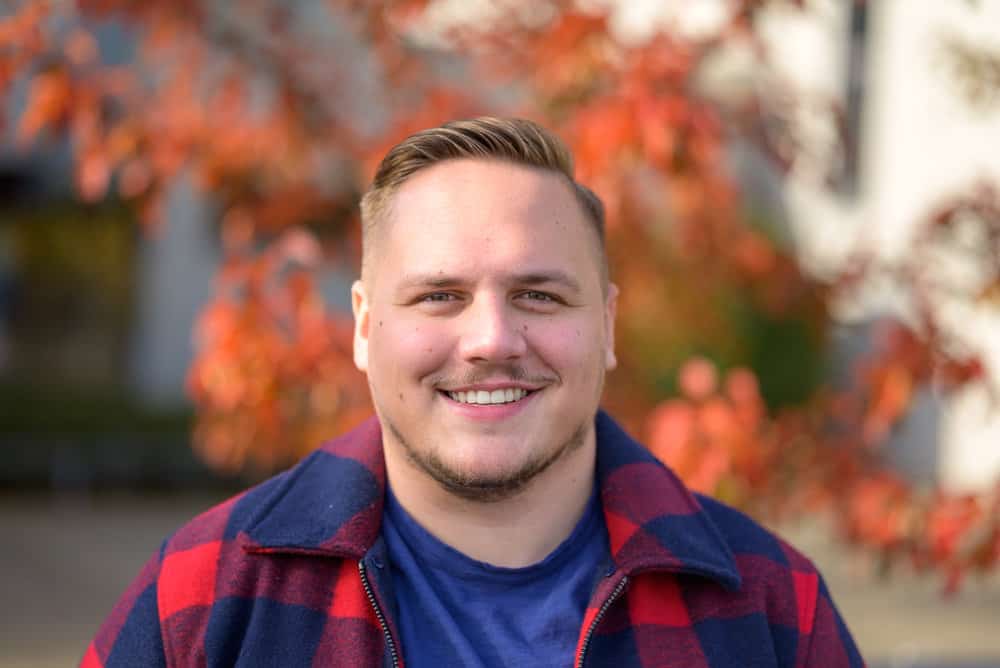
<point>407,349</point>
<point>572,348</point>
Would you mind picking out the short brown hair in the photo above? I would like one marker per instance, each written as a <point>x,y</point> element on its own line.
<point>514,140</point>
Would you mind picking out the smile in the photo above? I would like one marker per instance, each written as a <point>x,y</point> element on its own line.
<point>501,396</point>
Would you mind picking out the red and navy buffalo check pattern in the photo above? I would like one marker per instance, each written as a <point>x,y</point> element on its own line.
<point>277,577</point>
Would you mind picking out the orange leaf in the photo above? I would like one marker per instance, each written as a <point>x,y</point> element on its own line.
<point>698,378</point>
<point>93,173</point>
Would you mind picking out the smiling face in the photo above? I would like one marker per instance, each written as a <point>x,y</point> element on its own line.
<point>485,327</point>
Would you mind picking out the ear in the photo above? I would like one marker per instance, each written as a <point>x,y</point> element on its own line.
<point>362,320</point>
<point>610,309</point>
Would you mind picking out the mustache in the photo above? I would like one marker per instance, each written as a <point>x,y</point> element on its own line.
<point>493,373</point>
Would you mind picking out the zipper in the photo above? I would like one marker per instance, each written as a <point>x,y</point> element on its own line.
<point>390,643</point>
<point>597,618</point>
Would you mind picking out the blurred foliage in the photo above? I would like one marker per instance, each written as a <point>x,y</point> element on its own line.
<point>279,113</point>
<point>34,411</point>
<point>72,300</point>
<point>66,242</point>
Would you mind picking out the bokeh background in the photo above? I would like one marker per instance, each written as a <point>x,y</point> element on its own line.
<point>803,206</point>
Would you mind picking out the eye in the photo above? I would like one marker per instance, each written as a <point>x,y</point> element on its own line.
<point>437,297</point>
<point>438,302</point>
<point>535,295</point>
<point>538,301</point>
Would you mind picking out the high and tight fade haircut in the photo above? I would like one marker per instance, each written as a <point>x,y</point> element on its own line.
<point>514,140</point>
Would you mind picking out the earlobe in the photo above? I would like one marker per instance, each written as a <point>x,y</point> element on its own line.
<point>359,304</point>
<point>610,309</point>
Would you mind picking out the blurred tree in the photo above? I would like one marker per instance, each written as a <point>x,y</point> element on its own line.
<point>73,260</point>
<point>279,111</point>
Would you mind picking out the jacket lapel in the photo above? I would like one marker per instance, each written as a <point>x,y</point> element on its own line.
<point>653,521</point>
<point>328,504</point>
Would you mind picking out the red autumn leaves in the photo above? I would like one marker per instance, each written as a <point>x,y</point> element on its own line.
<point>257,116</point>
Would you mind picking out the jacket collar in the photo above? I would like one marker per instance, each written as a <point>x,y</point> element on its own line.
<point>331,504</point>
<point>653,521</point>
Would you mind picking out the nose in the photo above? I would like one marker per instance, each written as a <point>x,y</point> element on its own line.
<point>492,332</point>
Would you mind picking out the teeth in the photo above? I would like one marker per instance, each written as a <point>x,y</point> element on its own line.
<point>504,396</point>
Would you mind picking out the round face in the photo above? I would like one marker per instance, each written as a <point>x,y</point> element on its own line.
<point>484,327</point>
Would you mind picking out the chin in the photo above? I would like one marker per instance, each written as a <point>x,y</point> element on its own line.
<point>497,461</point>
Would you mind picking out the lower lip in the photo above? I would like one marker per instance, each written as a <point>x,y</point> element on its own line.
<point>490,412</point>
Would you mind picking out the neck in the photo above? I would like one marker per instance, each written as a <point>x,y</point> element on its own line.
<point>514,532</point>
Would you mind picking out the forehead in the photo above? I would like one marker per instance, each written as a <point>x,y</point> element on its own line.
<point>453,184</point>
<point>480,212</point>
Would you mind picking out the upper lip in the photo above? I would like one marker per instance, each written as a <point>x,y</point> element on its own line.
<point>489,387</point>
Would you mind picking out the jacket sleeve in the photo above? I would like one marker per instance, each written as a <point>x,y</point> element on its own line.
<point>131,635</point>
<point>829,642</point>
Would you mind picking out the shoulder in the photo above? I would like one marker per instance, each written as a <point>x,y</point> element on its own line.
<point>192,558</point>
<point>331,502</point>
<point>763,559</point>
<point>283,504</point>
<point>785,588</point>
<point>213,541</point>
<point>777,580</point>
<point>207,573</point>
<point>225,520</point>
<point>167,606</point>
<point>747,538</point>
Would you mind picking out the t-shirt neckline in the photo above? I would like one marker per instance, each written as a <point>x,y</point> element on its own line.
<point>434,553</point>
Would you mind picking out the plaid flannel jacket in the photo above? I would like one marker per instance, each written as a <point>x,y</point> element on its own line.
<point>292,573</point>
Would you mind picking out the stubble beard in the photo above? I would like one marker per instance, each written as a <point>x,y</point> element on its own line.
<point>483,488</point>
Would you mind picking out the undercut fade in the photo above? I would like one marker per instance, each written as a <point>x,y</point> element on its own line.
<point>514,140</point>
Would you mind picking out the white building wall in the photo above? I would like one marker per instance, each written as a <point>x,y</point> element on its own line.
<point>922,143</point>
<point>175,268</point>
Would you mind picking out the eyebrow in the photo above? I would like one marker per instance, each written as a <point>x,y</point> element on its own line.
<point>546,277</point>
<point>534,278</point>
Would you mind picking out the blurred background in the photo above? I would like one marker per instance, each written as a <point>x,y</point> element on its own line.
<point>803,205</point>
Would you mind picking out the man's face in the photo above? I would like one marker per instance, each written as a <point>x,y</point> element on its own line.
<point>483,326</point>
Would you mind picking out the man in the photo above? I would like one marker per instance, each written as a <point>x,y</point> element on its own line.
<point>490,515</point>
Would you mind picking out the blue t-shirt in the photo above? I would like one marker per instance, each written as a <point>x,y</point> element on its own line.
<point>456,611</point>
